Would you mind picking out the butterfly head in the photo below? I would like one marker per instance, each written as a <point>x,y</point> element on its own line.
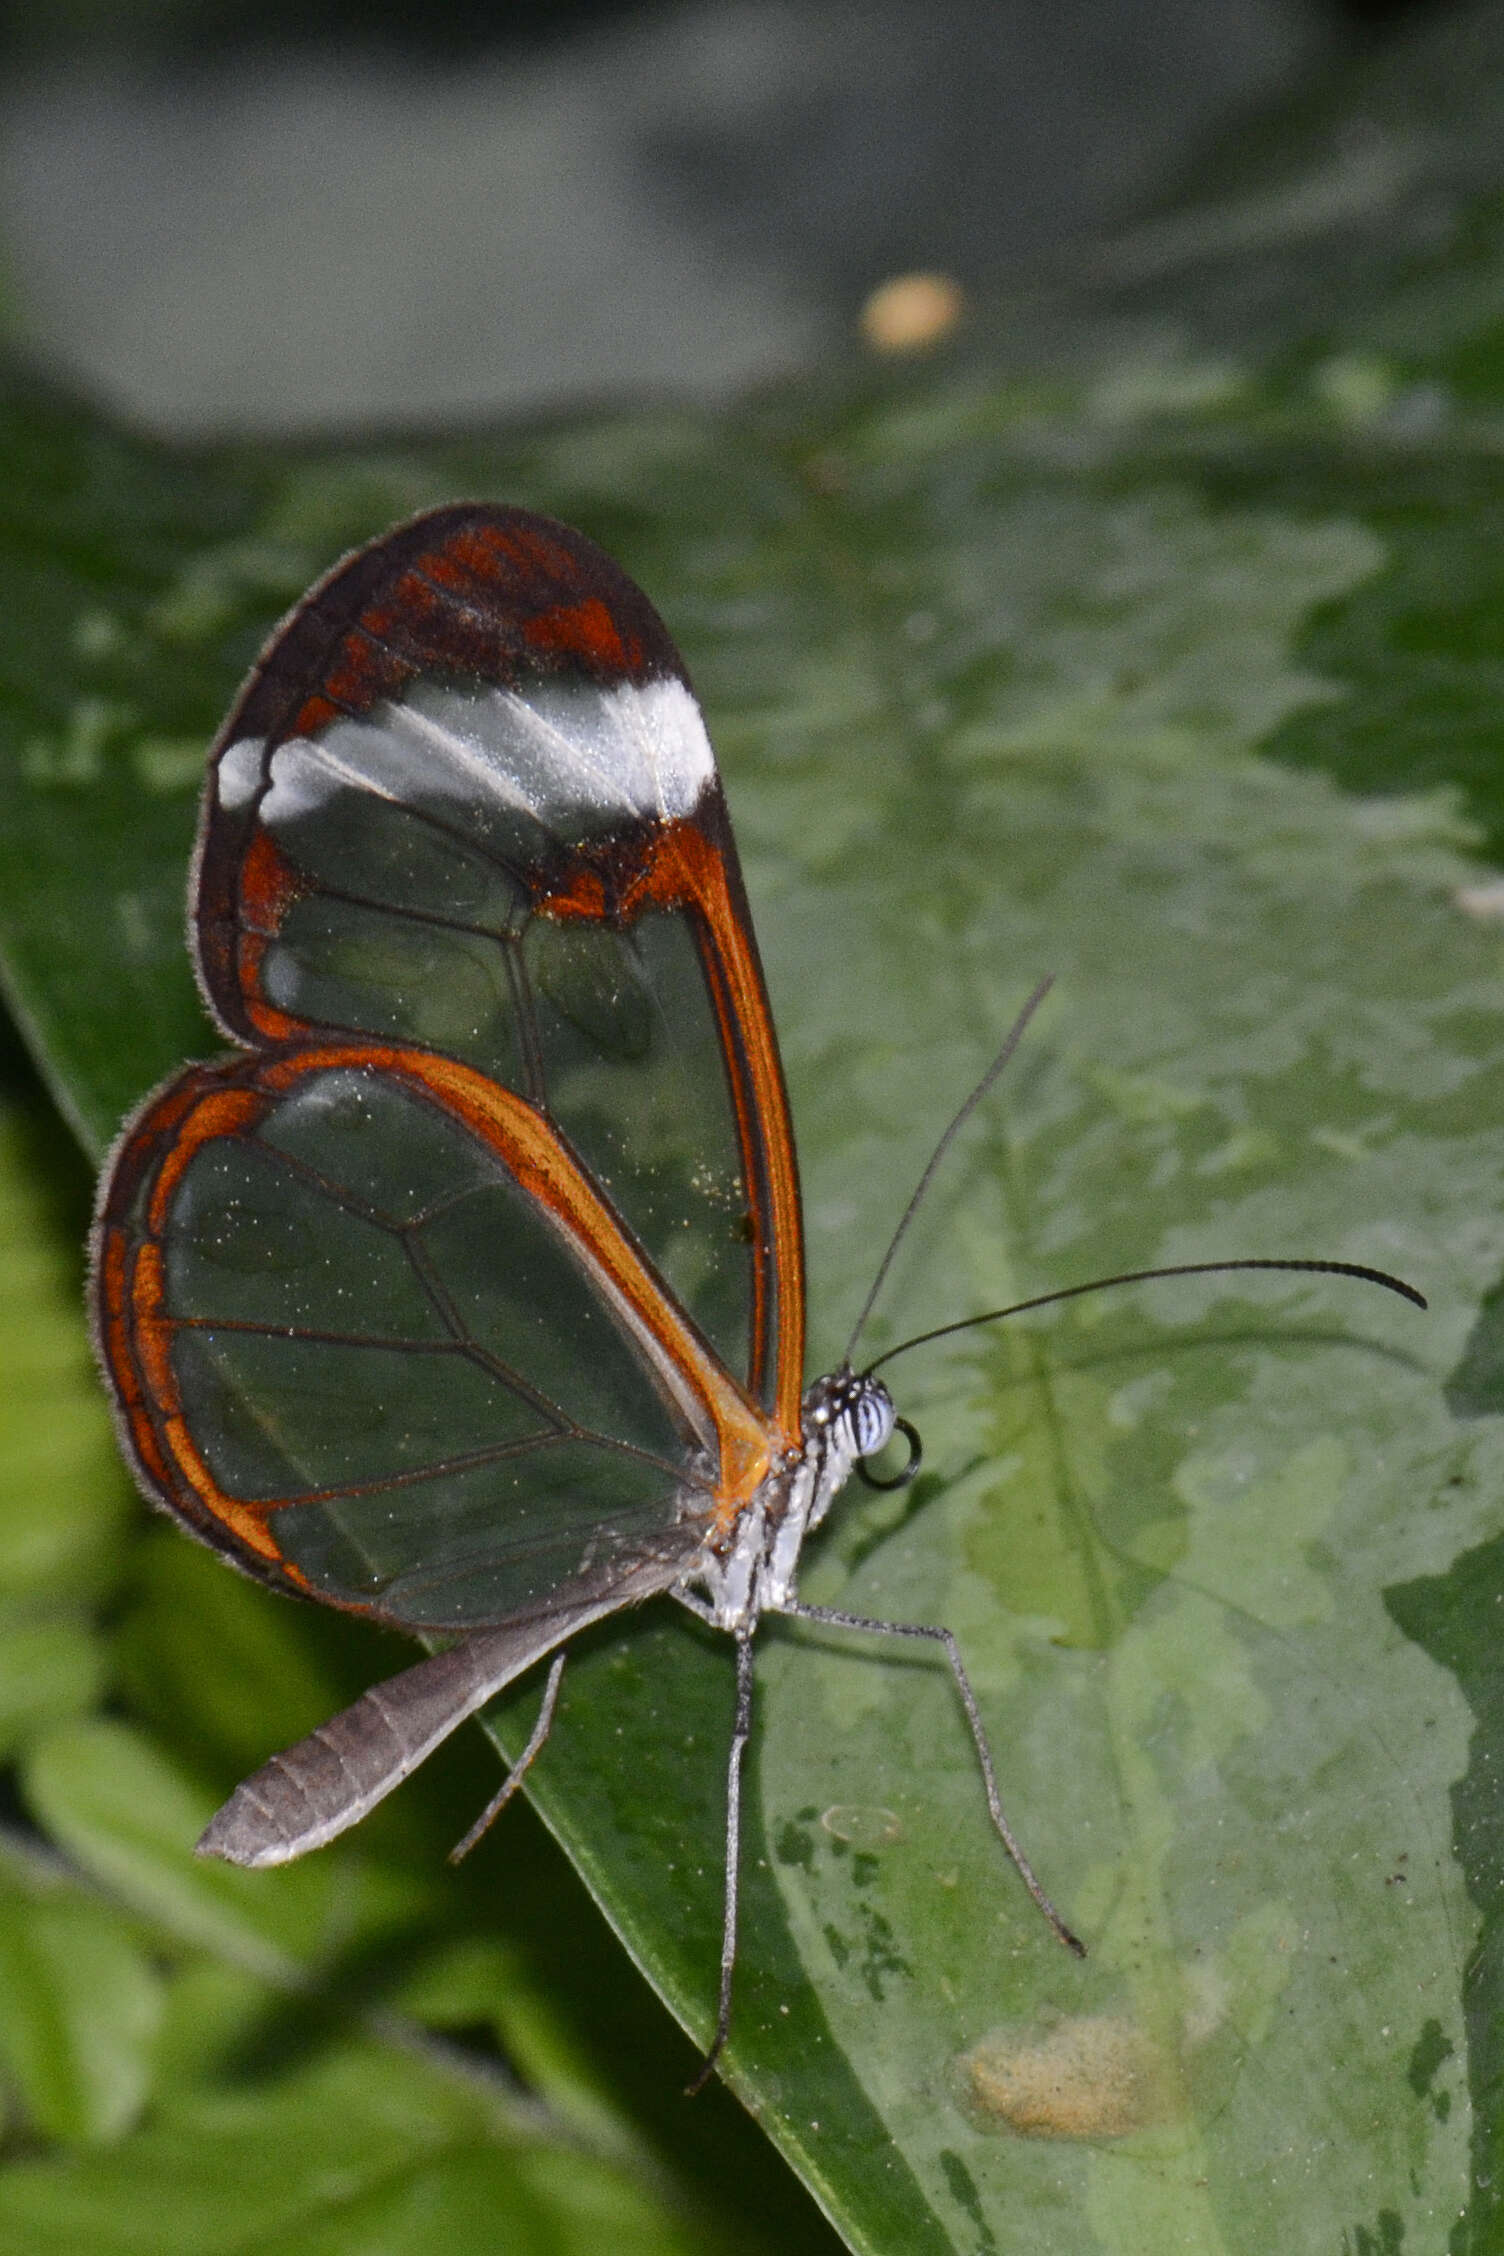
<point>851,1412</point>
<point>851,1418</point>
<point>856,1409</point>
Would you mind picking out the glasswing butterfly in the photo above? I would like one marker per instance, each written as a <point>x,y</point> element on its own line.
<point>468,1294</point>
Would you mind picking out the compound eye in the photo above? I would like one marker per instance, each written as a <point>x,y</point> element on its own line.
<point>871,1416</point>
<point>907,1470</point>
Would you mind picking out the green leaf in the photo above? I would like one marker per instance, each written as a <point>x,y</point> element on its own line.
<point>1154,643</point>
<point>79,2011</point>
<point>129,1819</point>
<point>48,1670</point>
<point>358,2149</point>
<point>65,1500</point>
<point>479,1981</point>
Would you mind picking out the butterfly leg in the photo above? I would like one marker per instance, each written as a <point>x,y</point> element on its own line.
<point>520,1767</point>
<point>829,1618</point>
<point>740,1733</point>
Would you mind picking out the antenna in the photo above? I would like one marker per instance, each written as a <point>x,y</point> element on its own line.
<point>1356,1269</point>
<point>1014,1036</point>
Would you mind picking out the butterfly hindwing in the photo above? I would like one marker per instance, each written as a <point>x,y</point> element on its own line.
<point>375,1332</point>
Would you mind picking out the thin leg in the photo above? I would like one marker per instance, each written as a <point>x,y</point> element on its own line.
<point>740,1732</point>
<point>831,1619</point>
<point>520,1767</point>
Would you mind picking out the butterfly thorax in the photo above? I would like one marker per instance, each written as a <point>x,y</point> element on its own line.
<point>844,1416</point>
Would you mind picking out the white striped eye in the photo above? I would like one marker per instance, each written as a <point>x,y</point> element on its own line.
<point>868,1417</point>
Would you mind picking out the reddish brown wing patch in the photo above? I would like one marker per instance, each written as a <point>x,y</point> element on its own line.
<point>472,589</point>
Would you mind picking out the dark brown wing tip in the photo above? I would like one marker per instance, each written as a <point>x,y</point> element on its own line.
<point>474,589</point>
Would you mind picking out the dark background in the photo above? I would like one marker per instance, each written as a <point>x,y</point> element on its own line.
<point>230,216</point>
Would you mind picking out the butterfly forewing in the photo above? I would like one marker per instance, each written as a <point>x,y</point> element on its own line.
<point>466,803</point>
